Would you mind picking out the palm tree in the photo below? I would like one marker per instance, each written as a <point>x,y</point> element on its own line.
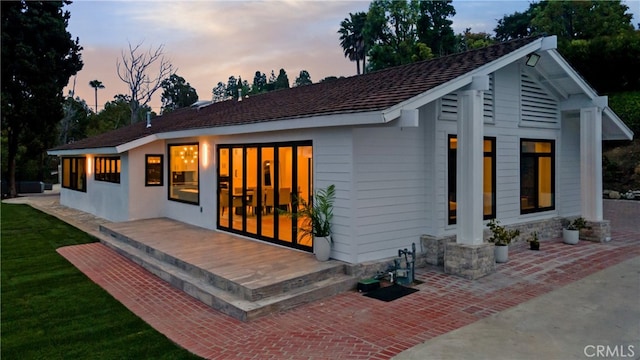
<point>96,84</point>
<point>352,38</point>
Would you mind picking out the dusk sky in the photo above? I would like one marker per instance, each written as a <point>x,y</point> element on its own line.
<point>208,41</point>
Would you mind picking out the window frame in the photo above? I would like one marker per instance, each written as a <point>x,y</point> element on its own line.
<point>170,173</point>
<point>536,155</point>
<point>73,176</point>
<point>112,163</point>
<point>161,166</point>
<point>453,170</point>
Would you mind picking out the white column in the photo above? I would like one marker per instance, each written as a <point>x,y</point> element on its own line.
<point>591,163</point>
<point>469,169</point>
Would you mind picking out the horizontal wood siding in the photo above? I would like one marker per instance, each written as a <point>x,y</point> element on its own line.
<point>390,189</point>
<point>333,164</point>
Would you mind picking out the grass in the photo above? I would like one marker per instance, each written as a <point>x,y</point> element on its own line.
<point>50,310</point>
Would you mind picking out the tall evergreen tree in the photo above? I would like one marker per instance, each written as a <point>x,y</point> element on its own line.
<point>303,79</point>
<point>38,58</point>
<point>434,27</point>
<point>282,81</point>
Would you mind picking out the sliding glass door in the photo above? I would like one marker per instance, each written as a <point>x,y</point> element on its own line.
<point>258,184</point>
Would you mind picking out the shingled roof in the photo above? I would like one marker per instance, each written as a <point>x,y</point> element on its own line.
<point>374,91</point>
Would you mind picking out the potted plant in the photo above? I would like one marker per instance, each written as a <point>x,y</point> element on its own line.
<point>534,243</point>
<point>571,234</point>
<point>316,216</point>
<point>501,237</point>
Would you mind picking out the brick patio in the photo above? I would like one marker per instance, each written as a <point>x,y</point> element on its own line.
<point>349,326</point>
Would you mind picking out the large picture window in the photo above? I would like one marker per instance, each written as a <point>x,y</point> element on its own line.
<point>153,175</point>
<point>488,178</point>
<point>537,175</point>
<point>183,173</point>
<point>107,169</point>
<point>74,173</point>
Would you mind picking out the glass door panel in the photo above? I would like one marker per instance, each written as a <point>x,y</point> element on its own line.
<point>283,192</point>
<point>236,190</point>
<point>224,199</point>
<point>268,195</point>
<point>252,191</point>
<point>304,180</point>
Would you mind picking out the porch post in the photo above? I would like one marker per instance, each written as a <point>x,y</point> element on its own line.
<point>470,257</point>
<point>469,168</point>
<point>591,174</point>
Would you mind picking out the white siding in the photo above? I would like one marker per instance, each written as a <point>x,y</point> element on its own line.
<point>568,186</point>
<point>390,197</point>
<point>104,199</point>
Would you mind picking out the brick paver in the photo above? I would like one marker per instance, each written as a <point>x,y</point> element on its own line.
<point>349,325</point>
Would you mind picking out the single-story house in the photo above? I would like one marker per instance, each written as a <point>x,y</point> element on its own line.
<point>421,153</point>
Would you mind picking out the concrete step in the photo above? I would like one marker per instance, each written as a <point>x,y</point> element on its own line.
<point>224,295</point>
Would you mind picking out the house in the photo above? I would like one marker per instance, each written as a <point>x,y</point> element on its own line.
<point>422,153</point>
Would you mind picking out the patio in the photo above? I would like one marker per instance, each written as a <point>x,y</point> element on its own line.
<point>349,325</point>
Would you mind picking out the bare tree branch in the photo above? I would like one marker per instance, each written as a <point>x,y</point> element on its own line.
<point>134,68</point>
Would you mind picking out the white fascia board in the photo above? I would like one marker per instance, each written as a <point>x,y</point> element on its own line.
<point>345,119</point>
<point>542,44</point>
<point>76,152</point>
<point>625,132</point>
<point>586,89</point>
<point>136,143</point>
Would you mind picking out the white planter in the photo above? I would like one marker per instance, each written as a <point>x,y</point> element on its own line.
<point>570,236</point>
<point>322,248</point>
<point>501,253</point>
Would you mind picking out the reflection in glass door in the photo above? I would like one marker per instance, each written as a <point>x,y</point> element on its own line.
<point>257,183</point>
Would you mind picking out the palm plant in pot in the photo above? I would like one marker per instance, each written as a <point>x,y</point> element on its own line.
<point>571,234</point>
<point>501,237</point>
<point>316,216</point>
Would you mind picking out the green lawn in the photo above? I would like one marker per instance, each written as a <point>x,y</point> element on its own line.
<point>50,310</point>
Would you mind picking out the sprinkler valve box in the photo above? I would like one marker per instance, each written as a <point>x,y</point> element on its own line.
<point>367,285</point>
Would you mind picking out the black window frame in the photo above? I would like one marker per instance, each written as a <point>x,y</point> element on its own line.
<point>147,169</point>
<point>536,177</point>
<point>112,166</point>
<point>452,172</point>
<point>74,184</point>
<point>170,173</point>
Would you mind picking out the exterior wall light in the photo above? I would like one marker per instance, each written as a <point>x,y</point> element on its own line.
<point>532,59</point>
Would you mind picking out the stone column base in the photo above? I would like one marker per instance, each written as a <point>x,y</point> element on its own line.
<point>434,248</point>
<point>469,261</point>
<point>598,231</point>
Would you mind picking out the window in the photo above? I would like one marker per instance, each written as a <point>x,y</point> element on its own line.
<point>153,175</point>
<point>107,169</point>
<point>74,174</point>
<point>537,175</point>
<point>183,173</point>
<point>488,183</point>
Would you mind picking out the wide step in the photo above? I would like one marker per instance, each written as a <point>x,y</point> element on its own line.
<point>245,301</point>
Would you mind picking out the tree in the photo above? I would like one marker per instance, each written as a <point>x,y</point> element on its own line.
<point>177,93</point>
<point>38,58</point>
<point>232,88</point>
<point>259,83</point>
<point>271,83</point>
<point>352,38</point>
<point>116,114</point>
<point>517,25</point>
<point>391,26</point>
<point>96,84</point>
<point>303,79</point>
<point>434,27</point>
<point>74,123</point>
<point>282,82</point>
<point>470,40</point>
<point>134,70</point>
<point>219,93</point>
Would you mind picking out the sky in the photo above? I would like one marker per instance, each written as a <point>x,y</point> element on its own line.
<point>208,41</point>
